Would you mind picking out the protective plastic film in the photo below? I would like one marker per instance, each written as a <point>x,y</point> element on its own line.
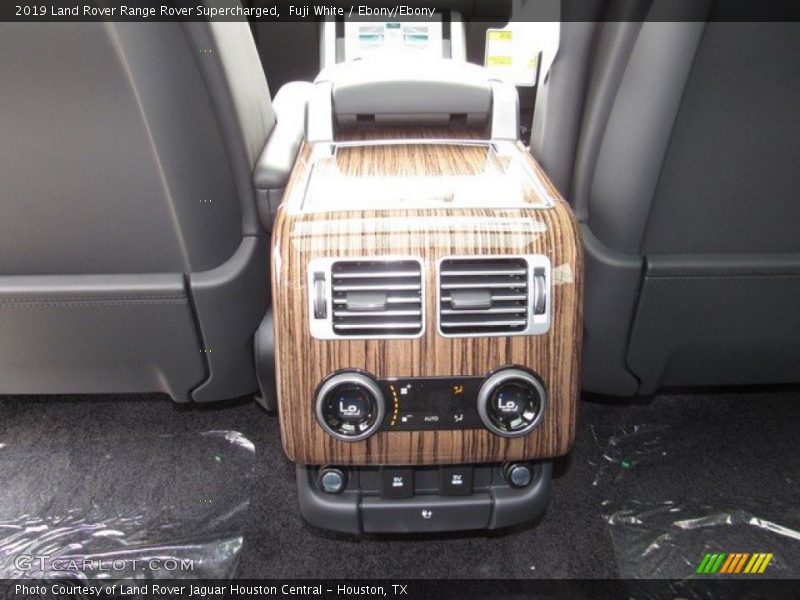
<point>675,540</point>
<point>155,507</point>
<point>707,532</point>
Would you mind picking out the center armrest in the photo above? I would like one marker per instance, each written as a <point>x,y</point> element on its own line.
<point>273,167</point>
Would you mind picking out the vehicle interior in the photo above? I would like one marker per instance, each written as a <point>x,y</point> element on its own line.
<point>469,293</point>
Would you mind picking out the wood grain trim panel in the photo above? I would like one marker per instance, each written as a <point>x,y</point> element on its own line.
<point>302,362</point>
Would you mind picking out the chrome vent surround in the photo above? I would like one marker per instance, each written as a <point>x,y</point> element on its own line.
<point>493,295</point>
<point>366,298</point>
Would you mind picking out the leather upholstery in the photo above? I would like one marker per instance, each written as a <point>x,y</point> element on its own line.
<point>132,257</point>
<point>686,157</point>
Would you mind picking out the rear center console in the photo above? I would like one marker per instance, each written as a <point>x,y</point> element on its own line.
<point>426,286</point>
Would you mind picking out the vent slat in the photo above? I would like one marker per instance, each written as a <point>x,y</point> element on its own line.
<point>393,326</point>
<point>377,313</point>
<point>483,296</point>
<point>489,323</point>
<point>392,291</point>
<point>410,299</point>
<point>489,311</point>
<point>373,274</point>
<point>478,284</point>
<point>498,298</point>
<point>376,286</point>
<point>483,272</point>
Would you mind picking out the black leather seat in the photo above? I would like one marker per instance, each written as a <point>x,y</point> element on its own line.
<point>132,256</point>
<point>679,152</point>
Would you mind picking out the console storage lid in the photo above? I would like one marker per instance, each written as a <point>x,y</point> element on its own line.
<point>432,92</point>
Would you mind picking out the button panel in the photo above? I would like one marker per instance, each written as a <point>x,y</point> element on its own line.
<point>431,403</point>
<point>360,507</point>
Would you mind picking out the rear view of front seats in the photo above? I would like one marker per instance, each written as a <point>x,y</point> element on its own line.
<point>132,255</point>
<point>676,144</point>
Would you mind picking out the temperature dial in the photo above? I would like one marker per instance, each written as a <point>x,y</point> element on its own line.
<point>511,402</point>
<point>350,406</point>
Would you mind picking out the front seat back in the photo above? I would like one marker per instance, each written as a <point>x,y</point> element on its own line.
<point>685,179</point>
<point>131,255</point>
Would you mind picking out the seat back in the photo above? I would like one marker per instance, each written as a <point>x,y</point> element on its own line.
<point>129,216</point>
<point>684,178</point>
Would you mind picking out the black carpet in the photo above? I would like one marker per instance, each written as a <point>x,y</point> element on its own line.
<point>709,455</point>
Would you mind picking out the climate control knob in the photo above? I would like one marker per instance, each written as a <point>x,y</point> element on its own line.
<point>511,402</point>
<point>350,406</point>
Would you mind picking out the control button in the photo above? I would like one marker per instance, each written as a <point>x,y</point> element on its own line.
<point>408,418</point>
<point>320,296</point>
<point>350,406</point>
<point>332,480</point>
<point>397,483</point>
<point>540,294</point>
<point>425,513</point>
<point>511,402</point>
<point>518,475</point>
<point>455,480</point>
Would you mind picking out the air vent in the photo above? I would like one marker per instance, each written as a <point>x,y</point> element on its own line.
<point>493,296</point>
<point>368,298</point>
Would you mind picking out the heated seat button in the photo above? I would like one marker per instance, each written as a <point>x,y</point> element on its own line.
<point>397,483</point>
<point>455,480</point>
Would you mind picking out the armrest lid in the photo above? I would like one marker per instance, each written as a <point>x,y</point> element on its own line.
<point>408,87</point>
<point>275,163</point>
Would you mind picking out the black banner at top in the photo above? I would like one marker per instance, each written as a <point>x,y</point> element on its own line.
<point>405,10</point>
